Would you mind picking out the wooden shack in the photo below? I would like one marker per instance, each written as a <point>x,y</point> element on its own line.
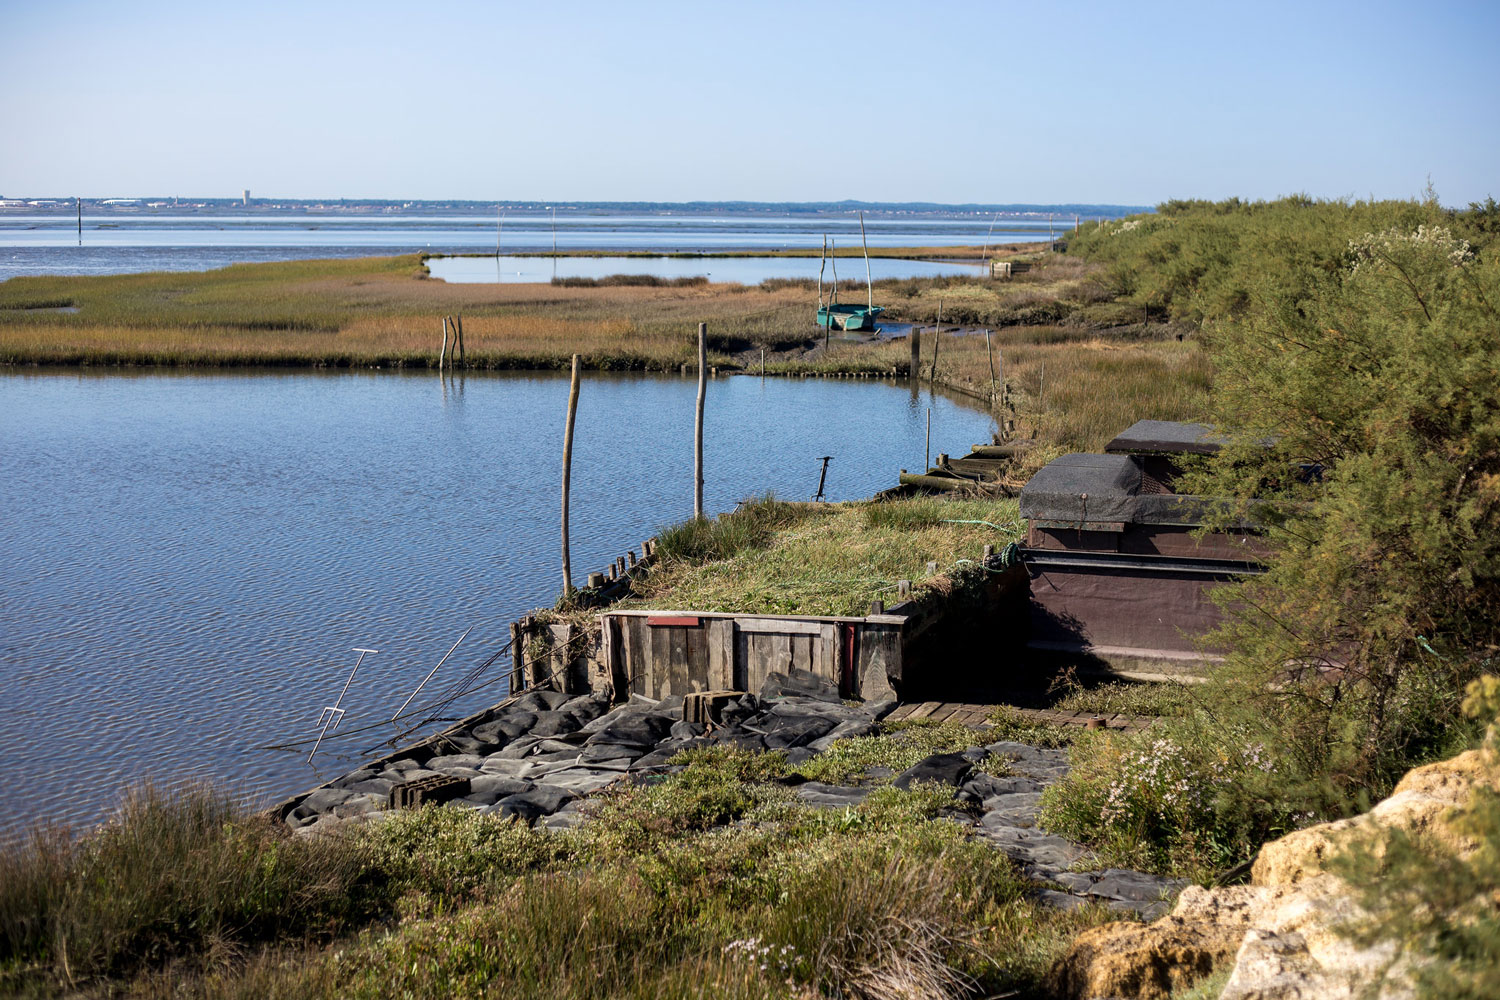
<point>1120,570</point>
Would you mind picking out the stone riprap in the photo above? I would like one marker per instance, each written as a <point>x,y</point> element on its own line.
<point>539,756</point>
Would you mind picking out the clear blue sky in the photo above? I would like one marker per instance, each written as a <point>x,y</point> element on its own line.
<point>973,101</point>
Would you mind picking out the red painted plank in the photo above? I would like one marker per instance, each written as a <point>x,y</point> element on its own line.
<point>691,622</point>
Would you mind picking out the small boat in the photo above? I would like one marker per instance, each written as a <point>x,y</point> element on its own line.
<point>849,317</point>
<point>836,316</point>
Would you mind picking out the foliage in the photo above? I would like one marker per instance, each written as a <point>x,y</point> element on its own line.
<point>897,747</point>
<point>170,873</point>
<point>1434,900</point>
<point>1358,374</point>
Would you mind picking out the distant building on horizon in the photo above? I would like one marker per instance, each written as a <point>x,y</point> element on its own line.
<point>245,196</point>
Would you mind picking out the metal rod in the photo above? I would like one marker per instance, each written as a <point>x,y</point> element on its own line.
<point>823,476</point>
<point>333,714</point>
<point>430,673</point>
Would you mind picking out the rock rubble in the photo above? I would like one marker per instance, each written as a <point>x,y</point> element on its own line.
<point>537,758</point>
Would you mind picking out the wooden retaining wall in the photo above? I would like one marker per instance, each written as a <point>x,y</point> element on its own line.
<point>658,653</point>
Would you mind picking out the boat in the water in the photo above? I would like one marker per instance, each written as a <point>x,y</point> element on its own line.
<point>842,316</point>
<point>849,317</point>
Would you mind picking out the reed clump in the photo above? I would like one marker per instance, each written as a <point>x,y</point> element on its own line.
<point>712,881</point>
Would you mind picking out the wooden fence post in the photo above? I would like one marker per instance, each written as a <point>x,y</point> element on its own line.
<point>698,421</point>
<point>567,474</point>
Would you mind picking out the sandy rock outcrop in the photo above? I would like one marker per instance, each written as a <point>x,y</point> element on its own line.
<point>1280,928</point>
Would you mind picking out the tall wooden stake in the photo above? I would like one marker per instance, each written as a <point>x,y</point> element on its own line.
<point>499,227</point>
<point>822,263</point>
<point>762,362</point>
<point>458,324</point>
<point>698,421</point>
<point>937,339</point>
<point>916,352</point>
<point>869,287</point>
<point>990,353</point>
<point>80,221</point>
<point>567,566</point>
<point>443,351</point>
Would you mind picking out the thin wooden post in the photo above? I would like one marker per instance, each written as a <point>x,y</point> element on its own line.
<point>822,263</point>
<point>937,339</point>
<point>443,351</point>
<point>698,421</point>
<point>763,362</point>
<point>927,449</point>
<point>459,324</point>
<point>916,352</point>
<point>80,221</point>
<point>869,287</point>
<point>1041,389</point>
<point>567,567</point>
<point>989,352</point>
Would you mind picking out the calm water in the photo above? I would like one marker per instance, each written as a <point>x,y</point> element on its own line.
<point>148,241</point>
<point>186,560</point>
<point>745,270</point>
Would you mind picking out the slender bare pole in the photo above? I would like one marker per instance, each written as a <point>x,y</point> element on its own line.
<point>458,325</point>
<point>822,263</point>
<point>567,567</point>
<point>990,353</point>
<point>499,228</point>
<point>937,340</point>
<point>443,351</point>
<point>430,673</point>
<point>869,287</point>
<point>698,421</point>
<point>80,221</point>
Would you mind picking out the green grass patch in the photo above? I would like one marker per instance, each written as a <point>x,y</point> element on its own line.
<point>773,558</point>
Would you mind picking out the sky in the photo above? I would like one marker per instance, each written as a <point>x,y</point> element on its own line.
<point>965,102</point>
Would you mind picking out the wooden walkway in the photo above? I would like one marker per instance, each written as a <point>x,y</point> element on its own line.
<point>975,715</point>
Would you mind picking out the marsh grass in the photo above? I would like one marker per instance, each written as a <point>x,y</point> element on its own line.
<point>171,873</point>
<point>772,558</point>
<point>713,881</point>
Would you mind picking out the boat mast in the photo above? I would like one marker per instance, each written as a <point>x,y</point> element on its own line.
<point>869,288</point>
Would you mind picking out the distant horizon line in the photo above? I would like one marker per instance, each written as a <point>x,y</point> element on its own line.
<point>534,204</point>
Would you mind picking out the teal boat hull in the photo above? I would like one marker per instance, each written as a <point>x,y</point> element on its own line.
<point>851,318</point>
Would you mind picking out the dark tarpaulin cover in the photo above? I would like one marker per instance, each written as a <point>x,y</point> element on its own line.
<point>1168,436</point>
<point>1083,487</point>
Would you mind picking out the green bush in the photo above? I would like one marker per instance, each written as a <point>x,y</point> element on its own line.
<point>171,873</point>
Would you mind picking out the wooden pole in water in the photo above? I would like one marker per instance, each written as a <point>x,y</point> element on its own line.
<point>459,325</point>
<point>80,221</point>
<point>869,287</point>
<point>762,362</point>
<point>499,228</point>
<point>916,352</point>
<point>990,353</point>
<point>937,339</point>
<point>567,566</point>
<point>443,351</point>
<point>698,421</point>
